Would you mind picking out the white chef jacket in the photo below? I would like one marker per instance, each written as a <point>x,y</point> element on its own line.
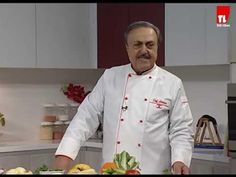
<point>146,115</point>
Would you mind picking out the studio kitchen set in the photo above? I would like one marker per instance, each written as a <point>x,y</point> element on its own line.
<point>56,119</point>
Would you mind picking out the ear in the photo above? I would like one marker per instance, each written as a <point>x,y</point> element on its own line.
<point>127,47</point>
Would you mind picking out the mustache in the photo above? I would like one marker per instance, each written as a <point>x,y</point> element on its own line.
<point>145,55</point>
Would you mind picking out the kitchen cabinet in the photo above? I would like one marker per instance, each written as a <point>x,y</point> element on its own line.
<point>26,159</point>
<point>48,35</point>
<point>232,162</point>
<point>32,159</point>
<point>17,34</point>
<point>14,159</point>
<point>232,34</point>
<point>66,35</point>
<point>41,157</point>
<point>192,37</point>
<point>199,166</point>
<point>93,157</point>
<point>88,155</point>
<point>217,43</point>
<point>112,21</point>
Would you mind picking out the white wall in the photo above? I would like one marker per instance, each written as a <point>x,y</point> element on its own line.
<point>24,91</point>
<point>206,89</point>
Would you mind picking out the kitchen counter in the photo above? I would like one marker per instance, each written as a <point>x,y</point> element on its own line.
<point>15,146</point>
<point>211,155</point>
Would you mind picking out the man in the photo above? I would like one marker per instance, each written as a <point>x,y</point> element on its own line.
<point>144,109</point>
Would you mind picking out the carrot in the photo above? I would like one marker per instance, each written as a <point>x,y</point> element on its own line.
<point>108,165</point>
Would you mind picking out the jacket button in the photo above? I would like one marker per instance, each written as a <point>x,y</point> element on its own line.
<point>145,99</point>
<point>129,75</point>
<point>118,142</point>
<point>139,145</point>
<point>150,77</point>
<point>121,119</point>
<point>141,121</point>
<point>124,108</point>
<point>126,98</point>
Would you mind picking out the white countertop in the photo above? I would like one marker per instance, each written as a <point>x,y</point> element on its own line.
<point>41,145</point>
<point>211,155</point>
<point>16,146</point>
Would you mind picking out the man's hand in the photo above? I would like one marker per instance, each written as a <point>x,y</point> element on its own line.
<point>62,162</point>
<point>180,168</point>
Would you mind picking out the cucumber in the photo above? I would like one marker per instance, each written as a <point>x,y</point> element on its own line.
<point>117,163</point>
<point>119,171</point>
<point>128,156</point>
<point>116,160</point>
<point>108,171</point>
<point>123,162</point>
<point>135,165</point>
<point>131,162</point>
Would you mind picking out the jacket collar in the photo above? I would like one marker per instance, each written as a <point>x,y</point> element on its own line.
<point>150,71</point>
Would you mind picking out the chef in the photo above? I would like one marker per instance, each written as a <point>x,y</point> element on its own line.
<point>144,110</point>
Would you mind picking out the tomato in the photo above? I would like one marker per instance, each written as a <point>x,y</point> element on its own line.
<point>132,172</point>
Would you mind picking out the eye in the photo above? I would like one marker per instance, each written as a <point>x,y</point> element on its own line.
<point>137,45</point>
<point>150,45</point>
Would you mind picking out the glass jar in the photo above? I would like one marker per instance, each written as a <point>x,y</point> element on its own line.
<point>62,112</point>
<point>49,113</point>
<point>66,124</point>
<point>73,110</point>
<point>46,131</point>
<point>58,130</point>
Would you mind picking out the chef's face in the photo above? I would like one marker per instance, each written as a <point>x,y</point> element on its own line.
<point>142,45</point>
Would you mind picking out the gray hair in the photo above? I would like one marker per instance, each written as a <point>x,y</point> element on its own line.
<point>140,24</point>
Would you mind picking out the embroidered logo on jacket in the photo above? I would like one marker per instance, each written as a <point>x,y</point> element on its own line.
<point>159,103</point>
<point>184,99</point>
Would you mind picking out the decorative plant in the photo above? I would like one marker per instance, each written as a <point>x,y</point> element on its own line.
<point>2,119</point>
<point>75,92</point>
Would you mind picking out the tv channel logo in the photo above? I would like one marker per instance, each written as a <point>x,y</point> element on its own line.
<point>222,16</point>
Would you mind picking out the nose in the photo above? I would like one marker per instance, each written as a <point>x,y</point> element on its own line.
<point>143,49</point>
